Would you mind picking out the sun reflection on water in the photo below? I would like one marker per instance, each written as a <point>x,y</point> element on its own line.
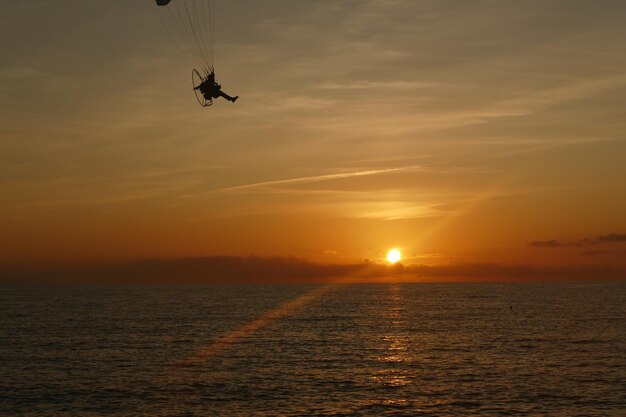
<point>394,343</point>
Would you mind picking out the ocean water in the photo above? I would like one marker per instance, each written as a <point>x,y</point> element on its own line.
<point>363,350</point>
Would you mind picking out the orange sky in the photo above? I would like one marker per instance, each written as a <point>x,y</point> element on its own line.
<point>458,131</point>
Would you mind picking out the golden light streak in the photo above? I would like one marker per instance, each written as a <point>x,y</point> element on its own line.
<point>248,329</point>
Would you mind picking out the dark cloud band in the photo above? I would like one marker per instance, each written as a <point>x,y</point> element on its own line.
<point>610,238</point>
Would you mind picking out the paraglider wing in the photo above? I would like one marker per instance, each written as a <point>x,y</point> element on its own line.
<point>162,2</point>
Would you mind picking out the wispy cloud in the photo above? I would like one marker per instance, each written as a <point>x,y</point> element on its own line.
<point>530,103</point>
<point>18,73</point>
<point>363,85</point>
<point>324,177</point>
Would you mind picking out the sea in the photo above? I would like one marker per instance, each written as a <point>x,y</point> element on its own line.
<point>389,349</point>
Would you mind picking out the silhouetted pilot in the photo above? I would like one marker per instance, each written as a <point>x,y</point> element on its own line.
<point>210,89</point>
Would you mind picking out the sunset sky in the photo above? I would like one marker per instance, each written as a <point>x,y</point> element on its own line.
<point>460,132</point>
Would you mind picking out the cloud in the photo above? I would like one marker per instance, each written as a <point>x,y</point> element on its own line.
<point>546,244</point>
<point>205,270</point>
<point>610,238</point>
<point>252,269</point>
<point>19,73</point>
<point>382,85</point>
<point>326,177</point>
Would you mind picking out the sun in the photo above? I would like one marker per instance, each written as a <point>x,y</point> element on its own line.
<point>394,256</point>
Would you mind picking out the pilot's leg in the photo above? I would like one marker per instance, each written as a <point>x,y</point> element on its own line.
<point>227,97</point>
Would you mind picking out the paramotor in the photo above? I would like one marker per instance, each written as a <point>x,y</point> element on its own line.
<point>190,25</point>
